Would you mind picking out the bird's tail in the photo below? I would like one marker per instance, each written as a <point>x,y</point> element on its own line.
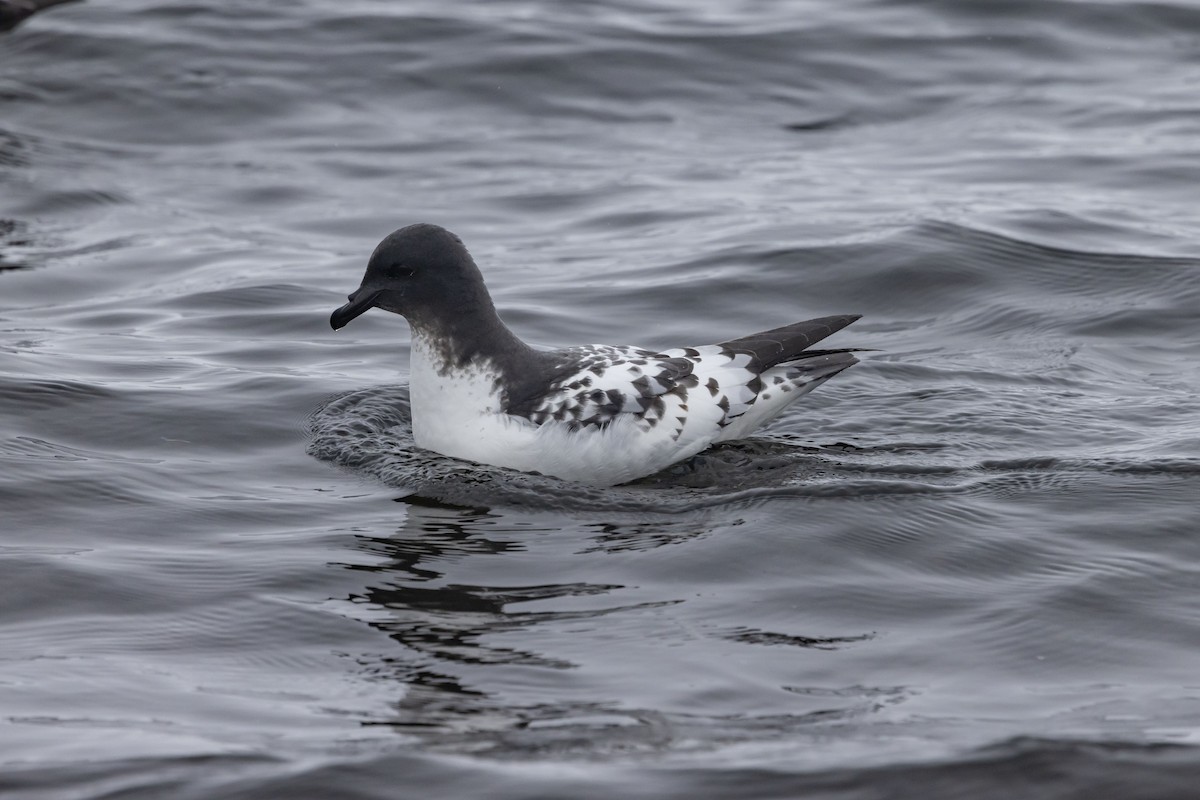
<point>789,343</point>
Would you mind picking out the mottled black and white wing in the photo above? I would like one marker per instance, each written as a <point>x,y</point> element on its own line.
<point>711,393</point>
<point>596,384</point>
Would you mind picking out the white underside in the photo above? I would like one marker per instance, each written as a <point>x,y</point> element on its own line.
<point>459,415</point>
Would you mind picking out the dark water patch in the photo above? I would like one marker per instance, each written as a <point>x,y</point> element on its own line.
<point>272,625</point>
<point>1156,466</point>
<point>10,232</point>
<point>14,244</point>
<point>13,14</point>
<point>104,424</point>
<point>10,93</point>
<point>13,151</point>
<point>112,320</point>
<point>241,298</point>
<point>27,447</point>
<point>262,325</point>
<point>817,125</point>
<point>1078,273</point>
<point>138,777</point>
<point>1082,24</point>
<point>753,636</point>
<point>86,603</point>
<point>51,248</point>
<point>634,534</point>
<point>598,733</point>
<point>1116,466</point>
<point>1038,290</point>
<point>40,589</point>
<point>42,491</point>
<point>49,204</point>
<point>1035,768</point>
<point>1106,230</point>
<point>1171,324</point>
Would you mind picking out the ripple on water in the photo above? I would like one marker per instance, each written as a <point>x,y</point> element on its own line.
<point>369,431</point>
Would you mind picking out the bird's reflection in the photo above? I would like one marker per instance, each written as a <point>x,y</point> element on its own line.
<point>448,629</point>
<point>489,655</point>
<point>431,533</point>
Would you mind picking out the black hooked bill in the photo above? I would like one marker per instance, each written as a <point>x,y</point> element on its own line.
<point>360,301</point>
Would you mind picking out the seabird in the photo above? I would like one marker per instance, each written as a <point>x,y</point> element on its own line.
<point>596,414</point>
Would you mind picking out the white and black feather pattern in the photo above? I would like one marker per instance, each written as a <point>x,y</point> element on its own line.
<point>599,414</point>
<point>603,382</point>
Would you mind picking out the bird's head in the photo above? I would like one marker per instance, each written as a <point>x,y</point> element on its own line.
<point>422,272</point>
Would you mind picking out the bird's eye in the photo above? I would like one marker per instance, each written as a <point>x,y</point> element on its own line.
<point>402,271</point>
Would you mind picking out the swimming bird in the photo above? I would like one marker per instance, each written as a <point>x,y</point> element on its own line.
<point>595,414</point>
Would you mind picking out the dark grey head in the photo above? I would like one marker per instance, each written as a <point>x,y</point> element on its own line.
<point>424,273</point>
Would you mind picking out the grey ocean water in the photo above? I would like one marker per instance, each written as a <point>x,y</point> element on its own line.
<point>968,567</point>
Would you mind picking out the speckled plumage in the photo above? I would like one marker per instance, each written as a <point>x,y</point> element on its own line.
<point>600,414</point>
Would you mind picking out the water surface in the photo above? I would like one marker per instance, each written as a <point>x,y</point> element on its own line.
<point>968,567</point>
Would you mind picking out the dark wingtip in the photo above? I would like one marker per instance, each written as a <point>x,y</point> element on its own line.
<point>789,342</point>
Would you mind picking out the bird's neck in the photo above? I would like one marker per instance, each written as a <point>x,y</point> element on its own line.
<point>472,338</point>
